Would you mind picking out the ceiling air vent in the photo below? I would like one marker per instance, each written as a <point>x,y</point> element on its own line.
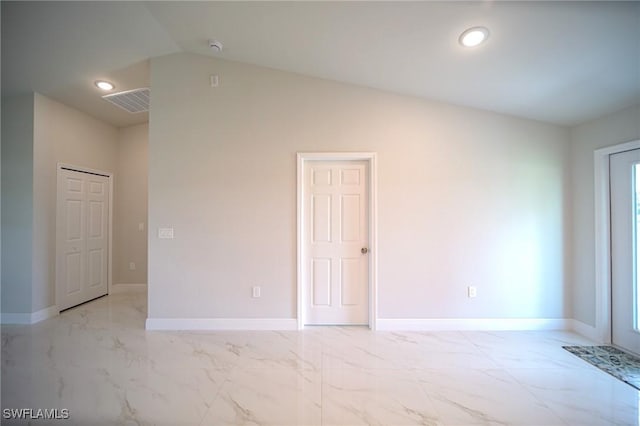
<point>136,100</point>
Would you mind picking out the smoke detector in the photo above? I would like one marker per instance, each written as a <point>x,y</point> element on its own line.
<point>215,45</point>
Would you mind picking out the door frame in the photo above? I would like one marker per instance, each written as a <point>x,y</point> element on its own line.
<point>82,169</point>
<point>303,159</point>
<point>602,197</point>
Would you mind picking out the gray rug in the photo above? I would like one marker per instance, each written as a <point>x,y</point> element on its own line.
<point>619,364</point>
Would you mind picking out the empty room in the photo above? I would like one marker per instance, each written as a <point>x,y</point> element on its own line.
<point>320,213</point>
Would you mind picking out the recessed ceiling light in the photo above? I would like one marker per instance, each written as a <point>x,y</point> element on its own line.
<point>473,36</point>
<point>104,85</point>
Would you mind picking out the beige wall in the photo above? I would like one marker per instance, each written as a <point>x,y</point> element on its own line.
<point>465,197</point>
<point>130,206</point>
<point>617,128</point>
<point>17,203</point>
<point>61,134</point>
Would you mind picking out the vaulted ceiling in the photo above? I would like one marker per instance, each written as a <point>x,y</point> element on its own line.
<point>559,62</point>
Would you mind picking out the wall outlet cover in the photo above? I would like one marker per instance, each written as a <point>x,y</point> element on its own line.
<point>165,233</point>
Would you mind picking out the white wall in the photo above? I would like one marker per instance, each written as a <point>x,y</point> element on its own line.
<point>17,203</point>
<point>617,128</point>
<point>130,205</point>
<point>465,196</point>
<point>61,134</point>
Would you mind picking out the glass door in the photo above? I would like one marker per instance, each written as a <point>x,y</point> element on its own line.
<point>625,233</point>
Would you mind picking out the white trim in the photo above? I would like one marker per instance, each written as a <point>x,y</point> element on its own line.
<point>299,243</point>
<point>43,314</point>
<point>586,330</point>
<point>32,318</point>
<point>474,324</point>
<point>221,324</point>
<point>110,260</point>
<point>109,175</point>
<point>603,237</point>
<point>127,288</point>
<point>371,158</point>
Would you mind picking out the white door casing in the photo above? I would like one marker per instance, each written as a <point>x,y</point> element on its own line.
<point>602,330</point>
<point>83,236</point>
<point>336,221</point>
<point>623,215</point>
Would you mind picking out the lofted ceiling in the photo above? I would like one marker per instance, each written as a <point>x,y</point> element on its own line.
<point>558,62</point>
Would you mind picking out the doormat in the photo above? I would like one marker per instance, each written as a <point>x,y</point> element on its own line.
<point>619,364</point>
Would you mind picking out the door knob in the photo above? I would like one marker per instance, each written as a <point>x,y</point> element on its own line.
<point>364,250</point>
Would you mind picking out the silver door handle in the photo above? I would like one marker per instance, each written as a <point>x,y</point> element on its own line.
<point>364,250</point>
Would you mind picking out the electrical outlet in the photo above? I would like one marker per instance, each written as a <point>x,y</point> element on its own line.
<point>141,226</point>
<point>165,233</point>
<point>132,266</point>
<point>255,292</point>
<point>472,291</point>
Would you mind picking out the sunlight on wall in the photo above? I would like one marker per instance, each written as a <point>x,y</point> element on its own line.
<point>531,252</point>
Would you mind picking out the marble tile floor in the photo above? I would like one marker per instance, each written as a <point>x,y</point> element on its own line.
<point>98,362</point>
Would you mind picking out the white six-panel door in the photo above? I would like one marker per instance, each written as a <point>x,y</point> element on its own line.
<point>624,250</point>
<point>336,242</point>
<point>82,237</point>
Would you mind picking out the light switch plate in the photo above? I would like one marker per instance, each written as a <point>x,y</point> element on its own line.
<point>165,233</point>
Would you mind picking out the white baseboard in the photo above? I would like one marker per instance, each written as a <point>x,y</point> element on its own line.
<point>44,314</point>
<point>468,324</point>
<point>586,330</point>
<point>456,324</point>
<point>221,324</point>
<point>474,324</point>
<point>32,318</point>
<point>127,288</point>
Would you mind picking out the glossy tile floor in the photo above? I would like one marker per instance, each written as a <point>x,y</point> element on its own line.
<point>98,362</point>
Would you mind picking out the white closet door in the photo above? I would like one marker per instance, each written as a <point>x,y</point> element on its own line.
<point>625,184</point>
<point>82,237</point>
